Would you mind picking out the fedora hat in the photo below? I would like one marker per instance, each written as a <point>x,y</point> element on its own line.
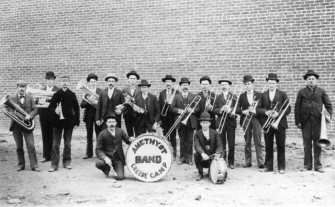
<point>49,75</point>
<point>248,78</point>
<point>111,75</point>
<point>225,79</point>
<point>92,75</point>
<point>133,72</point>
<point>144,83</point>
<point>206,78</point>
<point>168,77</point>
<point>21,83</point>
<point>309,73</point>
<point>272,76</point>
<point>205,117</point>
<point>110,116</point>
<point>184,80</point>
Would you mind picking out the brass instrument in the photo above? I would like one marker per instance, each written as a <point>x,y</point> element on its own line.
<point>89,96</point>
<point>42,97</point>
<point>195,102</point>
<point>131,102</point>
<point>208,100</point>
<point>267,125</point>
<point>275,124</point>
<point>16,113</point>
<point>324,141</point>
<point>168,102</point>
<point>233,112</point>
<point>59,106</point>
<point>224,113</point>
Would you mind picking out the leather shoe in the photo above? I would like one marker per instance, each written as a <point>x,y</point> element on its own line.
<point>45,160</point>
<point>281,171</point>
<point>265,170</point>
<point>68,167</point>
<point>246,165</point>
<point>261,166</point>
<point>86,157</point>
<point>305,169</point>
<point>199,177</point>
<point>190,162</point>
<point>20,169</point>
<point>231,166</point>
<point>320,170</point>
<point>52,169</point>
<point>36,169</point>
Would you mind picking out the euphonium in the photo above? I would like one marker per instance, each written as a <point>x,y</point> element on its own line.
<point>42,98</point>
<point>88,94</point>
<point>168,102</point>
<point>191,107</point>
<point>16,113</point>
<point>323,141</point>
<point>275,124</point>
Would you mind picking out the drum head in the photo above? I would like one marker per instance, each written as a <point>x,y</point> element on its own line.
<point>149,158</point>
<point>213,172</point>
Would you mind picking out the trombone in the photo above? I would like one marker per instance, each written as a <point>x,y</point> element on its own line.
<point>190,107</point>
<point>89,96</point>
<point>275,123</point>
<point>168,102</point>
<point>270,120</point>
<point>208,100</point>
<point>225,112</point>
<point>233,112</point>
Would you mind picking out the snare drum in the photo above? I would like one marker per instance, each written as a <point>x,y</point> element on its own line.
<point>149,158</point>
<point>218,170</point>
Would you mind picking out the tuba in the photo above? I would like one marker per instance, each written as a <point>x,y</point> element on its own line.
<point>16,113</point>
<point>88,94</point>
<point>42,98</point>
<point>168,102</point>
<point>323,141</point>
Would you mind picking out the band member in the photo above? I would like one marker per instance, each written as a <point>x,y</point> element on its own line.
<point>206,143</point>
<point>165,97</point>
<point>46,118</point>
<point>147,119</point>
<point>308,108</point>
<point>132,90</point>
<point>266,109</point>
<point>207,100</point>
<point>221,107</point>
<point>64,105</point>
<point>109,148</point>
<point>185,132</point>
<point>27,103</point>
<point>89,113</point>
<point>254,129</point>
<point>109,98</point>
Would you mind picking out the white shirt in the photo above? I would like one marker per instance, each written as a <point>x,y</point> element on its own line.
<point>206,134</point>
<point>110,92</point>
<point>250,96</point>
<point>168,92</point>
<point>93,89</point>
<point>225,94</point>
<point>49,88</point>
<point>144,96</point>
<point>22,99</point>
<point>184,94</point>
<point>272,94</point>
<point>112,132</point>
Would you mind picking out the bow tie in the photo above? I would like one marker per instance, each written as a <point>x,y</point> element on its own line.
<point>21,97</point>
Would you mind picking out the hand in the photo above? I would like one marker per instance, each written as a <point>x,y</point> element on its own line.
<point>180,111</point>
<point>131,139</point>
<point>42,101</point>
<point>76,126</point>
<point>245,112</point>
<point>268,113</point>
<point>28,117</point>
<point>209,107</point>
<point>98,122</point>
<point>58,110</point>
<point>118,111</point>
<point>204,156</point>
<point>108,161</point>
<point>299,126</point>
<point>275,115</point>
<point>95,102</point>
<point>189,110</point>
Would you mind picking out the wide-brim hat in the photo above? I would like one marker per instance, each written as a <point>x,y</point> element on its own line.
<point>144,83</point>
<point>133,72</point>
<point>225,79</point>
<point>272,76</point>
<point>169,77</point>
<point>309,73</point>
<point>248,78</point>
<point>111,116</point>
<point>184,80</point>
<point>111,75</point>
<point>206,78</point>
<point>21,83</point>
<point>49,75</point>
<point>205,117</point>
<point>91,75</point>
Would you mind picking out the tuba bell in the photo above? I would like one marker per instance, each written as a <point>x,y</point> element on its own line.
<point>88,93</point>
<point>323,141</point>
<point>41,97</point>
<point>16,113</point>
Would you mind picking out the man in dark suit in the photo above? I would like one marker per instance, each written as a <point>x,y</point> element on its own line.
<point>46,118</point>
<point>254,129</point>
<point>146,120</point>
<point>207,100</point>
<point>131,90</point>
<point>224,105</point>
<point>307,111</point>
<point>165,98</point>
<point>64,105</point>
<point>206,143</point>
<point>90,105</point>
<point>185,132</point>
<point>27,103</point>
<point>109,148</point>
<point>265,109</point>
<point>108,100</point>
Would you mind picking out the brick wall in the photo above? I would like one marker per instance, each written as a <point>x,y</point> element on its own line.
<point>179,37</point>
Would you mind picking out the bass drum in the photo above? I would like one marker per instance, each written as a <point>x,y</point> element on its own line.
<point>218,170</point>
<point>149,158</point>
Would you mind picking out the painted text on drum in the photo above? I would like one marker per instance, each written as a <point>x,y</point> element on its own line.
<point>152,175</point>
<point>149,141</point>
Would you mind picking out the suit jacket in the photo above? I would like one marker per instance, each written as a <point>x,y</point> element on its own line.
<point>70,109</point>
<point>128,112</point>
<point>265,103</point>
<point>307,104</point>
<point>214,139</point>
<point>152,110</point>
<point>28,106</point>
<point>45,113</point>
<point>117,99</point>
<point>177,103</point>
<point>202,107</point>
<point>219,103</point>
<point>108,145</point>
<point>243,104</point>
<point>90,111</point>
<point>161,100</point>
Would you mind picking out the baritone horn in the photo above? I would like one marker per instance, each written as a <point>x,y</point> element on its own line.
<point>191,107</point>
<point>16,113</point>
<point>324,141</point>
<point>41,97</point>
<point>168,102</point>
<point>89,96</point>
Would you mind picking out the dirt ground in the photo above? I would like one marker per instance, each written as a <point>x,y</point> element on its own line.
<point>85,185</point>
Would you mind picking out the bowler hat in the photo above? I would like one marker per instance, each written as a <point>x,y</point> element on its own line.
<point>206,78</point>
<point>309,73</point>
<point>65,76</point>
<point>168,77</point>
<point>133,72</point>
<point>111,75</point>
<point>248,78</point>
<point>110,116</point>
<point>144,83</point>
<point>21,83</point>
<point>272,76</point>
<point>205,117</point>
<point>225,79</point>
<point>184,80</point>
<point>49,75</point>
<point>92,75</point>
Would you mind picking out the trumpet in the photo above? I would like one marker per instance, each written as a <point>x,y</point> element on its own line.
<point>59,107</point>
<point>275,124</point>
<point>270,120</point>
<point>191,107</point>
<point>89,96</point>
<point>16,113</point>
<point>324,141</point>
<point>208,100</point>
<point>168,102</point>
<point>41,97</point>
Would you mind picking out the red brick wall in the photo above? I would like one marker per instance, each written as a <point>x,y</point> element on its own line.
<point>179,37</point>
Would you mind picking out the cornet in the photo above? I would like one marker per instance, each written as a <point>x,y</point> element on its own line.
<point>89,96</point>
<point>59,107</point>
<point>168,102</point>
<point>42,98</point>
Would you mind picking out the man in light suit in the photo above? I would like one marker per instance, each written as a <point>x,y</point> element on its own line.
<point>307,111</point>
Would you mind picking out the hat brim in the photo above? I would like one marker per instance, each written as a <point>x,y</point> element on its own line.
<point>185,82</point>
<point>94,77</point>
<point>135,74</point>
<point>204,119</point>
<point>228,81</point>
<point>267,79</point>
<point>115,78</point>
<point>48,77</point>
<point>250,80</point>
<point>311,74</point>
<point>209,80</point>
<point>165,79</point>
<point>110,117</point>
<point>144,85</point>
